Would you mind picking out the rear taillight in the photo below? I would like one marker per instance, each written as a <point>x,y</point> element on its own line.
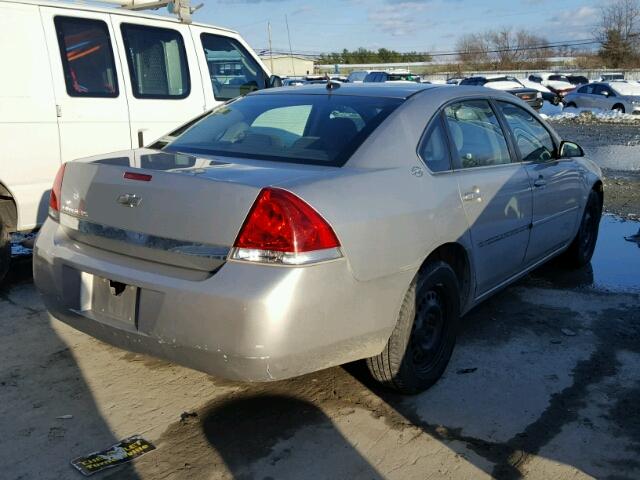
<point>56,192</point>
<point>282,228</point>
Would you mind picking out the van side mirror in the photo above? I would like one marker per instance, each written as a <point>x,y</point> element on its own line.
<point>275,81</point>
<point>570,150</point>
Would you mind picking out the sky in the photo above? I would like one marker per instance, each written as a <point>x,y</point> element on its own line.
<point>420,25</point>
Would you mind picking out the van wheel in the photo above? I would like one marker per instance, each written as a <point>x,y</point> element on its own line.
<point>422,341</point>
<point>581,249</point>
<point>618,108</point>
<point>5,249</point>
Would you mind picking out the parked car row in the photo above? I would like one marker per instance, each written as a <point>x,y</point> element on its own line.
<point>610,92</point>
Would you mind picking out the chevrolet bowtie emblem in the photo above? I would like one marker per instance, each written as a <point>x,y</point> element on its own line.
<point>129,200</point>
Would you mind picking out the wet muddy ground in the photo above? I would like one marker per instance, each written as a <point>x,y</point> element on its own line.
<point>544,383</point>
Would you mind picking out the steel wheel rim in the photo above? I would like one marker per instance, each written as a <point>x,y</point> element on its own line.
<point>429,329</point>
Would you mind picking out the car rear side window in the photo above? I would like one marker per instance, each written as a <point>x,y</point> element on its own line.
<point>434,150</point>
<point>87,57</point>
<point>532,138</point>
<point>157,62</point>
<point>293,128</point>
<point>476,135</point>
<point>232,70</point>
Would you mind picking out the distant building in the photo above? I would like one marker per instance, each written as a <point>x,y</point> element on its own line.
<point>288,65</point>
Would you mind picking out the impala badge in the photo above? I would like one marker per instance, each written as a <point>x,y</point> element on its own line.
<point>129,200</point>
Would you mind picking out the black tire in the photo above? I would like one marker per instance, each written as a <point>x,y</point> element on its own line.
<point>571,105</point>
<point>5,249</point>
<point>581,249</point>
<point>618,108</point>
<point>421,344</point>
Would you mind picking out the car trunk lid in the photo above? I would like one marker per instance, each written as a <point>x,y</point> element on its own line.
<point>170,208</point>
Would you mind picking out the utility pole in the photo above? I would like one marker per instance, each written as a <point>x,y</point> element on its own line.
<point>270,47</point>
<point>293,67</point>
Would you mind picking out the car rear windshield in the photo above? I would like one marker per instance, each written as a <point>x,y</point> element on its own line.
<point>294,128</point>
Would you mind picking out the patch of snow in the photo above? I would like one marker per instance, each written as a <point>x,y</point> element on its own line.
<point>584,115</point>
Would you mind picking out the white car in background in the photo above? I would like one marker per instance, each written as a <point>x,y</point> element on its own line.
<point>547,94</point>
<point>556,82</point>
<point>621,96</point>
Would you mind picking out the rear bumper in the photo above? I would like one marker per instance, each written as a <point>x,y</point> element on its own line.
<point>246,322</point>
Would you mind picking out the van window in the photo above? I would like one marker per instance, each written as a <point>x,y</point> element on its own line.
<point>232,70</point>
<point>87,57</point>
<point>157,62</point>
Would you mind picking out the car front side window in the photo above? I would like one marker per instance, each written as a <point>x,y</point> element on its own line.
<point>533,140</point>
<point>476,134</point>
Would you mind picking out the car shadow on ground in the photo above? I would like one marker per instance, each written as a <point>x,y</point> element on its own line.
<point>515,387</point>
<point>43,429</point>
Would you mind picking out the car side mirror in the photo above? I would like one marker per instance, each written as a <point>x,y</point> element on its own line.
<point>605,93</point>
<point>275,81</point>
<point>570,150</point>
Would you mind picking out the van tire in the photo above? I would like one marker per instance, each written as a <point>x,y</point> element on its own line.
<point>581,249</point>
<point>422,341</point>
<point>5,249</point>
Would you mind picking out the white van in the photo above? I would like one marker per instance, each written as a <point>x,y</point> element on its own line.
<point>79,80</point>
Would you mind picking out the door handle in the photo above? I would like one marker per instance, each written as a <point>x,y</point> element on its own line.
<point>474,194</point>
<point>540,182</point>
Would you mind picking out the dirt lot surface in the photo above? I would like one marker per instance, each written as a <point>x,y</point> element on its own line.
<point>544,383</point>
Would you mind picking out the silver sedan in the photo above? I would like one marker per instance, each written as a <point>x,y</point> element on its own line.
<point>623,97</point>
<point>292,230</point>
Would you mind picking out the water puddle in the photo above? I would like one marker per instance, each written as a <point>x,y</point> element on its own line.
<point>616,261</point>
<point>615,266</point>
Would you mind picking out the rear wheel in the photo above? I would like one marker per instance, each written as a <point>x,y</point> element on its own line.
<point>618,108</point>
<point>421,344</point>
<point>581,249</point>
<point>571,105</point>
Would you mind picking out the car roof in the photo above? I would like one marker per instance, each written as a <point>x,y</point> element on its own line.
<point>389,90</point>
<point>116,10</point>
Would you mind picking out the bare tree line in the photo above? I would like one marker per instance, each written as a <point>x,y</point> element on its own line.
<point>617,33</point>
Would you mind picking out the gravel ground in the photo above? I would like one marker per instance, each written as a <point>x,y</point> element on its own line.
<point>616,148</point>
